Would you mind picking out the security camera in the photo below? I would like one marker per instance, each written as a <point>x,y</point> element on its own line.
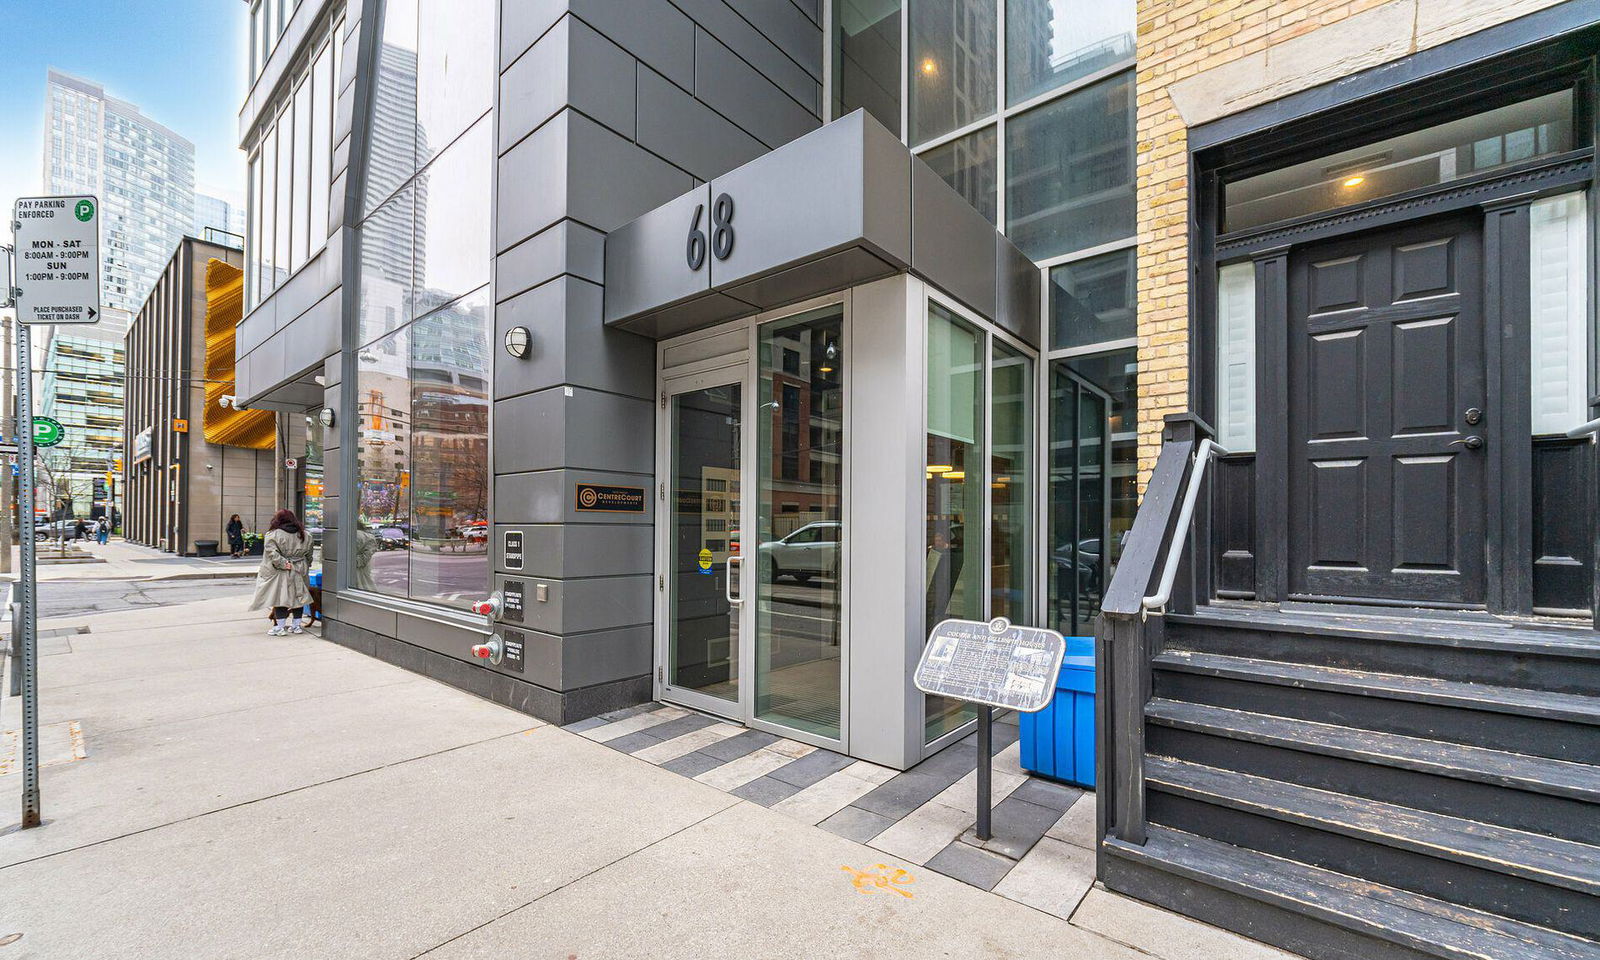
<point>227,400</point>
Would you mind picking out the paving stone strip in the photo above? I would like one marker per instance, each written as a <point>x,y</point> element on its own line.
<point>923,815</point>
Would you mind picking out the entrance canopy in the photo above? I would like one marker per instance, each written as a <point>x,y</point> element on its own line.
<point>840,206</point>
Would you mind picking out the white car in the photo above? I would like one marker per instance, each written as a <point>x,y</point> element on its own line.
<point>812,550</point>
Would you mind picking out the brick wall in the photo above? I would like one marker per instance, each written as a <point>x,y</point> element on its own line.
<point>1204,59</point>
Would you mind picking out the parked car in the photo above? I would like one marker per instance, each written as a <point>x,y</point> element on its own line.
<point>812,550</point>
<point>392,538</point>
<point>54,529</point>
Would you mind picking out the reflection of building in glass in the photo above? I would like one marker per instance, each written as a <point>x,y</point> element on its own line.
<point>807,427</point>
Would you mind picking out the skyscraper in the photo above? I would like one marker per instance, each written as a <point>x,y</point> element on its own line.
<point>220,217</point>
<point>143,174</point>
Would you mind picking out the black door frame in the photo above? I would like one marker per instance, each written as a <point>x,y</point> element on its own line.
<point>1504,199</point>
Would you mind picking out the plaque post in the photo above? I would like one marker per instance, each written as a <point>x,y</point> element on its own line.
<point>985,762</point>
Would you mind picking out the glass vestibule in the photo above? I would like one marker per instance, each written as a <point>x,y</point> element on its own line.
<point>979,493</point>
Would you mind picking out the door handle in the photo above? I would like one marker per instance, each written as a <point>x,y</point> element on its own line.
<point>1471,443</point>
<point>727,587</point>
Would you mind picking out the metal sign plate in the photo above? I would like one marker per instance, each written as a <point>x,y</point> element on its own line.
<point>997,663</point>
<point>47,431</point>
<point>511,556</point>
<point>513,600</point>
<point>609,498</point>
<point>512,643</point>
<point>58,259</point>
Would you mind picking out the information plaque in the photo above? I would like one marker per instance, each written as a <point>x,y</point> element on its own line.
<point>995,663</point>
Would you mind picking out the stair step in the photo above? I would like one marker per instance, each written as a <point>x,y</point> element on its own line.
<point>1388,913</point>
<point>1538,774</point>
<point>1481,632</point>
<point>1572,707</point>
<point>1517,853</point>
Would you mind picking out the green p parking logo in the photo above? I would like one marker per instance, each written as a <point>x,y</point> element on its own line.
<point>84,211</point>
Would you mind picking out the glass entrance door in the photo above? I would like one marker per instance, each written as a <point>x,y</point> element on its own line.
<point>701,513</point>
<point>800,587</point>
<point>754,590</point>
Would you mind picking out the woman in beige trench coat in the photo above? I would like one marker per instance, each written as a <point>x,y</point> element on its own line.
<point>281,581</point>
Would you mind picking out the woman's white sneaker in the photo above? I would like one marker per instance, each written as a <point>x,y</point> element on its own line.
<point>295,627</point>
<point>277,631</point>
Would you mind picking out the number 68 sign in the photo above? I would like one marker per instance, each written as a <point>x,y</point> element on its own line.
<point>721,232</point>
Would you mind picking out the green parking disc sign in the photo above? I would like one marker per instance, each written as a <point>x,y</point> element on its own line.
<point>84,210</point>
<point>47,431</point>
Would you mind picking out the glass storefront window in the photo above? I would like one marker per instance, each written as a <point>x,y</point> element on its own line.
<point>422,458</point>
<point>300,216</point>
<point>1011,487</point>
<point>280,252</point>
<point>383,466</point>
<point>1423,158</point>
<point>969,166</point>
<point>1093,300</point>
<point>452,215</point>
<point>1078,493</point>
<point>455,68</point>
<point>953,65</point>
<point>392,149</point>
<point>449,471</point>
<point>1115,374</point>
<point>1070,171</point>
<point>800,522</point>
<point>386,288</point>
<point>954,496</point>
<point>322,79</point>
<point>866,59</point>
<point>1051,43</point>
<point>268,245</point>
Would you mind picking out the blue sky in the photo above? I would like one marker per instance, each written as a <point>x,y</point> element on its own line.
<point>180,61</point>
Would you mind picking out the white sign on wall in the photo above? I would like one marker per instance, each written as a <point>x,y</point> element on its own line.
<point>57,243</point>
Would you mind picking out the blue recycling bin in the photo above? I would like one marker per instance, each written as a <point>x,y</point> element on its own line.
<point>314,578</point>
<point>1058,741</point>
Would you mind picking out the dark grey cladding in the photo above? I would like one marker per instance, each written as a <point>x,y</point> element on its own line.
<point>842,205</point>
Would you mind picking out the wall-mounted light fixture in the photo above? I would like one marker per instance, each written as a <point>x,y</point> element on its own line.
<point>519,342</point>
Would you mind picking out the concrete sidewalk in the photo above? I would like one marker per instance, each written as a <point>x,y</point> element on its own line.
<point>213,792</point>
<point>130,561</point>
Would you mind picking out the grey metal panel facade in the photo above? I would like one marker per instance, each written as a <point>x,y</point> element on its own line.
<point>842,205</point>
<point>605,111</point>
<point>951,242</point>
<point>634,126</point>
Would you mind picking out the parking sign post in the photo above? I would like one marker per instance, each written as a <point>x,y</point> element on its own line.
<point>55,270</point>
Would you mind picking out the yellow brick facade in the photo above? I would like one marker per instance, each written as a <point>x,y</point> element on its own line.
<point>1202,59</point>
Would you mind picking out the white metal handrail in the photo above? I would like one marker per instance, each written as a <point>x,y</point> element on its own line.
<point>1207,450</point>
<point>1590,429</point>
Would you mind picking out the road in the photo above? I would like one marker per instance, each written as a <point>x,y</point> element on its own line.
<point>65,598</point>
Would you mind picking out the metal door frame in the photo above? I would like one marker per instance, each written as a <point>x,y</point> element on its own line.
<point>733,371</point>
<point>741,367</point>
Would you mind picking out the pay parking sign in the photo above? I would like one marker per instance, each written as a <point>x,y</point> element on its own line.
<point>57,260</point>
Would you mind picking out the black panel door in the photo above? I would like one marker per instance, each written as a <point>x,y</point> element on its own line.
<point>1386,376</point>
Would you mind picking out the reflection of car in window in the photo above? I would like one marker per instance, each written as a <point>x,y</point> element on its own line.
<point>812,550</point>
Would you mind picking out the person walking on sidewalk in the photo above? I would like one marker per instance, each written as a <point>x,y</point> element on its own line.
<point>281,581</point>
<point>102,530</point>
<point>235,537</point>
